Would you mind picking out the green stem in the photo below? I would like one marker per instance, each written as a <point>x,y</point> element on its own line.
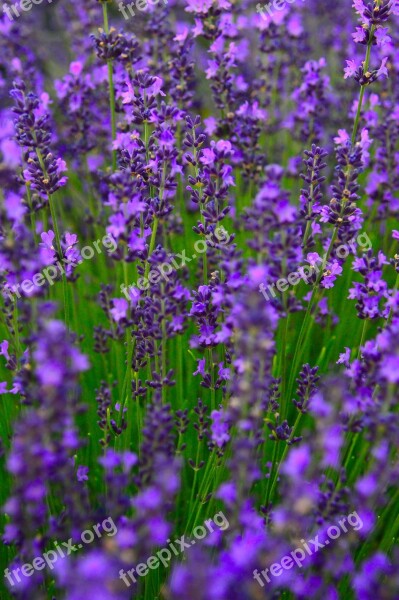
<point>357,119</point>
<point>146,137</point>
<point>363,87</point>
<point>348,457</point>
<point>152,245</point>
<point>32,212</point>
<point>391,531</point>
<point>111,87</point>
<point>197,171</point>
<point>383,522</point>
<point>311,202</point>
<point>127,380</point>
<point>299,343</point>
<point>305,323</point>
<point>201,490</point>
<point>50,198</point>
<point>205,268</point>
<point>18,350</point>
<point>395,289</point>
<point>283,369</point>
<point>270,486</point>
<point>212,371</point>
<point>362,339</point>
<point>180,379</point>
<point>59,250</point>
<point>273,486</point>
<point>163,351</point>
<point>195,474</point>
<point>129,348</point>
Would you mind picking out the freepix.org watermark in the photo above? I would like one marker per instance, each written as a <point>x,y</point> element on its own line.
<point>49,558</point>
<point>177,547</point>
<point>13,11</point>
<point>298,556</point>
<point>272,7</point>
<point>306,272</point>
<point>166,268</point>
<point>128,11</point>
<point>54,271</point>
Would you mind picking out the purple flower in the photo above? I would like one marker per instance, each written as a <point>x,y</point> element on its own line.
<point>344,358</point>
<point>350,69</point>
<point>4,350</point>
<point>110,460</point>
<point>297,462</point>
<point>228,493</point>
<point>219,428</point>
<point>82,473</point>
<point>342,138</point>
<point>208,156</point>
<point>390,369</point>
<point>330,275</point>
<point>382,37</point>
<point>383,71</point>
<point>201,367</point>
<point>223,372</point>
<point>119,309</point>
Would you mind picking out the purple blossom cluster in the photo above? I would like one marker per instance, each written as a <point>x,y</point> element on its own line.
<point>162,404</point>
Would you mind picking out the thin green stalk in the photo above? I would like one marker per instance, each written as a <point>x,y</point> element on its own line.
<point>180,378</point>
<point>50,198</point>
<point>209,464</point>
<point>302,333</point>
<point>127,380</point>
<point>155,224</point>
<point>196,169</point>
<point>212,371</point>
<point>363,337</point>
<point>111,87</point>
<point>355,437</point>
<point>146,136</point>
<point>127,385</point>
<point>311,202</point>
<point>391,531</point>
<point>358,113</point>
<point>152,245</point>
<point>395,289</point>
<point>283,364</point>
<point>361,461</point>
<point>32,212</point>
<point>363,87</point>
<point>59,250</point>
<point>16,331</point>
<point>270,487</point>
<point>273,485</point>
<point>163,351</point>
<point>205,263</point>
<point>196,469</point>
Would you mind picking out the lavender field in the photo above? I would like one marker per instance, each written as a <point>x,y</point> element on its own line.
<point>199,300</point>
